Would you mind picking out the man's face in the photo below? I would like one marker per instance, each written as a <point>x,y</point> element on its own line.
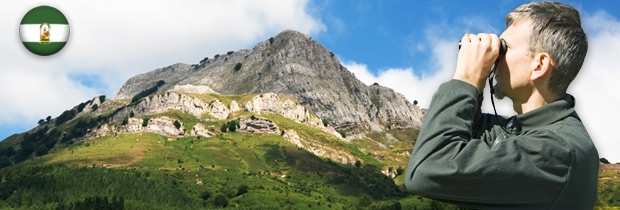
<point>514,70</point>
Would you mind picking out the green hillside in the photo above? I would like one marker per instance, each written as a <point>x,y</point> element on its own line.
<point>57,167</point>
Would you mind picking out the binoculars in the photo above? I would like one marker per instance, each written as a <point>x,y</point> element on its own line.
<point>502,47</point>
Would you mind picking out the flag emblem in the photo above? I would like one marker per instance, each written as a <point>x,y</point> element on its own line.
<point>44,30</point>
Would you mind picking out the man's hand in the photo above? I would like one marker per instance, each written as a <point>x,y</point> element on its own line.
<point>476,57</point>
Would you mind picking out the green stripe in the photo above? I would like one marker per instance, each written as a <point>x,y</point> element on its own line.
<point>44,50</point>
<point>44,14</point>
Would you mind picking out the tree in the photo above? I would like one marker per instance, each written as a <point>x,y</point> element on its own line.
<point>604,160</point>
<point>41,121</point>
<point>358,163</point>
<point>242,189</point>
<point>95,107</point>
<point>205,195</point>
<point>177,124</point>
<point>48,118</point>
<point>230,52</point>
<point>271,40</point>
<point>415,102</point>
<point>224,127</point>
<point>132,114</point>
<point>325,122</point>
<point>220,200</point>
<point>238,66</point>
<point>145,122</point>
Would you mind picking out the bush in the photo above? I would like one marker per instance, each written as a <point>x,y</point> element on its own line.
<point>41,121</point>
<point>125,121</point>
<point>238,66</point>
<point>101,98</point>
<point>325,122</point>
<point>177,124</point>
<point>95,107</point>
<point>147,92</point>
<point>65,116</point>
<point>205,195</point>
<point>415,102</point>
<point>220,201</point>
<point>132,114</point>
<point>230,52</point>
<point>343,134</point>
<point>242,189</point>
<point>48,118</point>
<point>224,127</point>
<point>145,122</point>
<point>271,40</point>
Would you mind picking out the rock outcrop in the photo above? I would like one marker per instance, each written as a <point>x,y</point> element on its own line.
<point>318,148</point>
<point>160,125</point>
<point>200,130</point>
<point>292,64</point>
<point>258,125</point>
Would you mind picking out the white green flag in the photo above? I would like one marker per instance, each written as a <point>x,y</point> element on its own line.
<point>44,30</point>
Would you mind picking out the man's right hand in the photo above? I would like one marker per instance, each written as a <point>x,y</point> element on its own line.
<point>476,57</point>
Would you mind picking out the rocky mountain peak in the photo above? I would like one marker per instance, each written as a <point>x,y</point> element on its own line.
<point>291,63</point>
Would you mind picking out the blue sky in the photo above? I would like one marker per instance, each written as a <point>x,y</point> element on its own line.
<point>409,46</point>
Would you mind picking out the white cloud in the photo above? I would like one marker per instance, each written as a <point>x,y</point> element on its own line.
<point>595,88</point>
<point>114,40</point>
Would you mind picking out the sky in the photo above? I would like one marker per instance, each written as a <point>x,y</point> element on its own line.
<point>409,46</point>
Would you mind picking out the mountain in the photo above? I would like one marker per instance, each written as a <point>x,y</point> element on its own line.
<point>284,125</point>
<point>294,64</point>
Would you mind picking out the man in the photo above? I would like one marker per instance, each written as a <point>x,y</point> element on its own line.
<point>542,158</point>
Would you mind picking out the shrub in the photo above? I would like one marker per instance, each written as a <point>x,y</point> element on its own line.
<point>343,134</point>
<point>216,56</point>
<point>125,121</point>
<point>41,121</point>
<point>177,124</point>
<point>325,122</point>
<point>132,114</point>
<point>230,52</point>
<point>238,66</point>
<point>101,98</point>
<point>48,118</point>
<point>271,40</point>
<point>242,189</point>
<point>415,102</point>
<point>145,122</point>
<point>95,107</point>
<point>224,127</point>
<point>220,201</point>
<point>147,92</point>
<point>65,116</point>
<point>205,195</point>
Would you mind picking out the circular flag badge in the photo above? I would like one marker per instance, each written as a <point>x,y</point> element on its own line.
<point>44,30</point>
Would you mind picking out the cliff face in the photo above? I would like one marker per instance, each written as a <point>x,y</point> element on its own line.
<point>291,64</point>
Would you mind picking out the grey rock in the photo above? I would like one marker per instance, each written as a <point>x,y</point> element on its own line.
<point>296,65</point>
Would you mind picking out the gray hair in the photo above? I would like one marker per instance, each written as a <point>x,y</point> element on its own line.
<point>556,29</point>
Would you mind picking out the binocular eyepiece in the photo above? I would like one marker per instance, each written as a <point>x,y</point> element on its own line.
<point>502,46</point>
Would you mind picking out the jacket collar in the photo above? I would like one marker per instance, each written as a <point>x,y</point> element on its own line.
<point>545,115</point>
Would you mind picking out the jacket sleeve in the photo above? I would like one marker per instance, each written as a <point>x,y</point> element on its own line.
<point>460,157</point>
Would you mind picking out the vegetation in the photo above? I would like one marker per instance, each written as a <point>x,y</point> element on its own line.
<point>147,92</point>
<point>238,66</point>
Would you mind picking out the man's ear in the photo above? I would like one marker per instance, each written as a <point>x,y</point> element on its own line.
<point>541,66</point>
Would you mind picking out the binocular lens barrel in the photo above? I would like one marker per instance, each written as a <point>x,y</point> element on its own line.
<point>502,47</point>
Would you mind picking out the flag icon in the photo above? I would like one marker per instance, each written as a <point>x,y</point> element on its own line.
<point>44,30</point>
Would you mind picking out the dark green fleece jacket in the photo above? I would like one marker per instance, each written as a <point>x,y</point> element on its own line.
<point>543,159</point>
